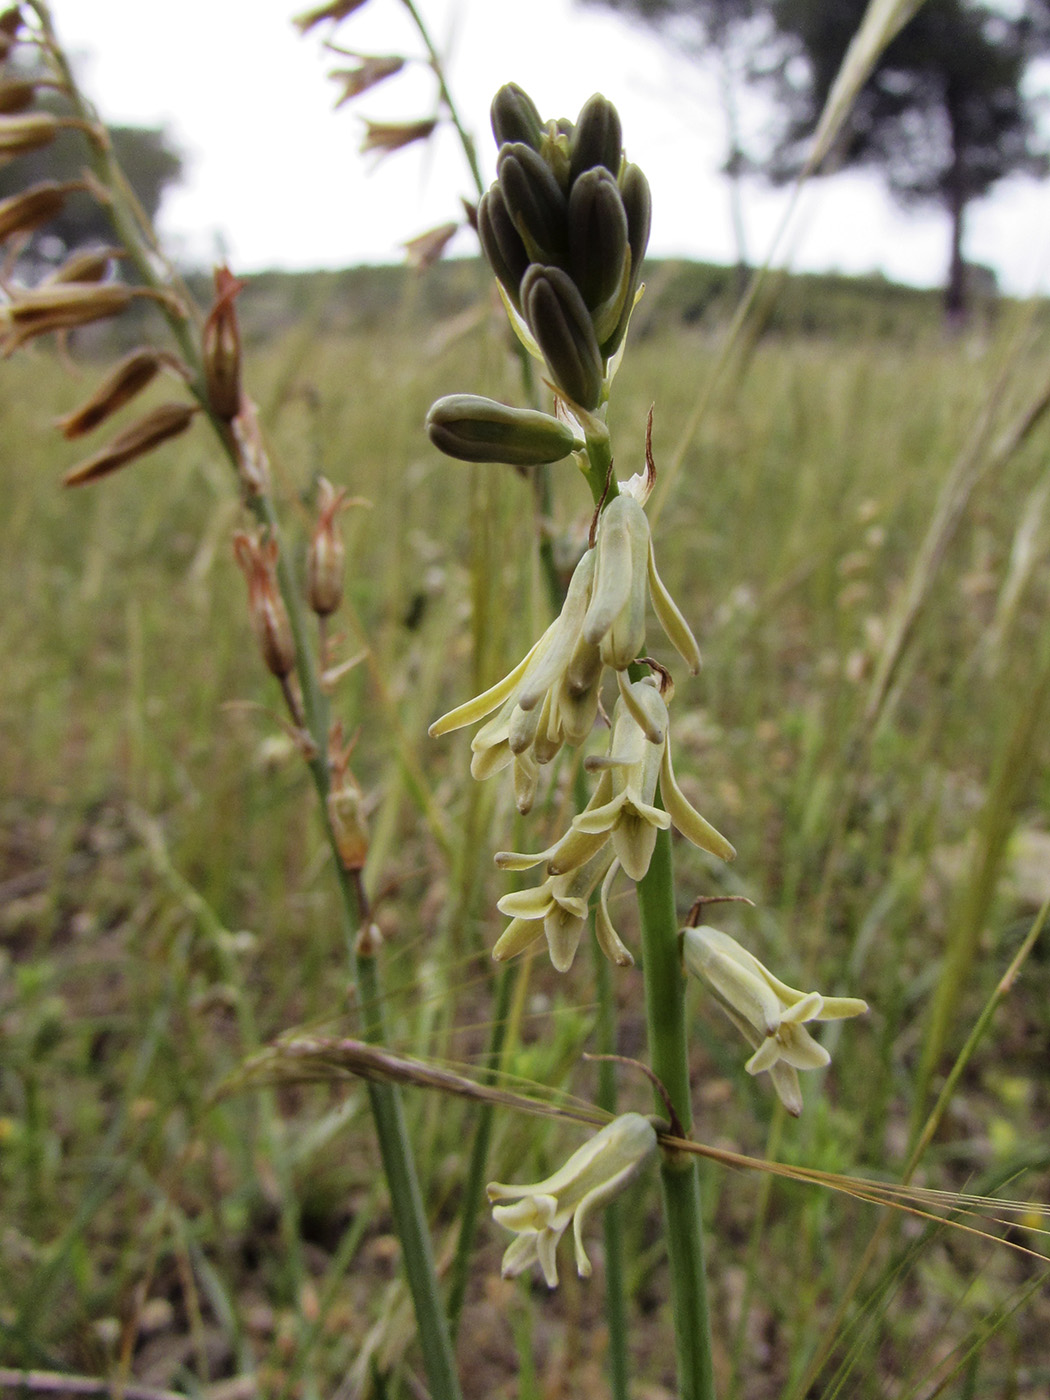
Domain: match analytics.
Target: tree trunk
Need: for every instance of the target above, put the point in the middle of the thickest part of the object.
(956, 305)
(955, 298)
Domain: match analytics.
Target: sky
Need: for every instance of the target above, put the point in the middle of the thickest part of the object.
(275, 178)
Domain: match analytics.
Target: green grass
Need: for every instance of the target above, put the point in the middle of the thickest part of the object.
(166, 909)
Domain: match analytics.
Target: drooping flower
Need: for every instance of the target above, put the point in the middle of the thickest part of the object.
(615, 618)
(556, 910)
(769, 1014)
(590, 1178)
(623, 808)
(550, 698)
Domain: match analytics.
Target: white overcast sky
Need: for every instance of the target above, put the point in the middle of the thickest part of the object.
(274, 177)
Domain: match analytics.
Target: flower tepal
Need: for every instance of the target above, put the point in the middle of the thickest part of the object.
(769, 1014)
(590, 1178)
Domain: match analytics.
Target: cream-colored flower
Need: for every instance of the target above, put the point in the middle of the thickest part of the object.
(590, 1178)
(622, 808)
(615, 618)
(623, 803)
(557, 910)
(549, 699)
(769, 1014)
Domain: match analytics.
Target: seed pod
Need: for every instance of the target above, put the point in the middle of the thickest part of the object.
(10, 21)
(425, 249)
(373, 69)
(475, 429)
(16, 96)
(257, 558)
(638, 204)
(28, 131)
(166, 421)
(88, 265)
(501, 243)
(597, 236)
(386, 137)
(598, 138)
(120, 386)
(515, 118)
(22, 213)
(325, 558)
(558, 318)
(346, 816)
(221, 348)
(335, 10)
(535, 202)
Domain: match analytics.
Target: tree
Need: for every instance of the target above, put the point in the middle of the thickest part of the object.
(945, 114)
(733, 31)
(148, 159)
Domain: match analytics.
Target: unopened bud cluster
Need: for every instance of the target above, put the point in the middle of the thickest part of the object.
(564, 228)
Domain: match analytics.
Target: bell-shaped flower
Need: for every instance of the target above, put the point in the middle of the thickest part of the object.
(561, 902)
(556, 910)
(615, 617)
(549, 699)
(590, 1178)
(769, 1014)
(623, 808)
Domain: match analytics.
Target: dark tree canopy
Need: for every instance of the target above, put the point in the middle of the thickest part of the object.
(944, 116)
(147, 158)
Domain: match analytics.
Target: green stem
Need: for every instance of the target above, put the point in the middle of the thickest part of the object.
(479, 1154)
(612, 1220)
(398, 1163)
(437, 64)
(679, 1176)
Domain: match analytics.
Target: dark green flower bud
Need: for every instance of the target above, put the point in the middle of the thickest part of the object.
(597, 236)
(638, 204)
(535, 202)
(515, 118)
(501, 243)
(558, 318)
(474, 429)
(597, 139)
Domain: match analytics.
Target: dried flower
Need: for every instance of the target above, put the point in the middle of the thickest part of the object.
(425, 249)
(24, 212)
(335, 10)
(85, 265)
(221, 348)
(167, 420)
(592, 1176)
(325, 559)
(269, 617)
(121, 385)
(373, 69)
(61, 306)
(769, 1014)
(386, 137)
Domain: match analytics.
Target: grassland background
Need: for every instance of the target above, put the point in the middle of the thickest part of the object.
(164, 907)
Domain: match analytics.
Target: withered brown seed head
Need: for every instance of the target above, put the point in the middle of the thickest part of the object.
(165, 421)
(222, 348)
